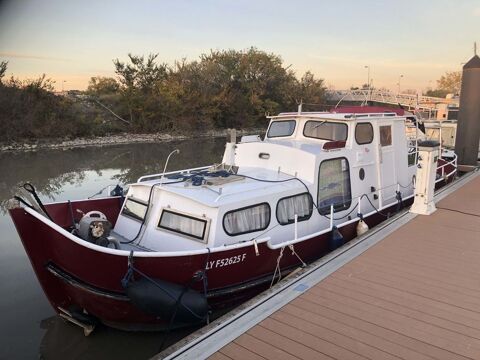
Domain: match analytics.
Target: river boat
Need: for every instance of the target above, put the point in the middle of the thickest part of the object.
(180, 244)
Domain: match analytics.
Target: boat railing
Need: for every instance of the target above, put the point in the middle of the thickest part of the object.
(155, 176)
(453, 163)
(297, 239)
(442, 167)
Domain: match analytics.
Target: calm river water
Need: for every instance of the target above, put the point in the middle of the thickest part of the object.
(29, 328)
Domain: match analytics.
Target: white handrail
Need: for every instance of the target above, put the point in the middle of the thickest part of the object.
(186, 171)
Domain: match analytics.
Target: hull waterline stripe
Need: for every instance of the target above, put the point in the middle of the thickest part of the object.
(69, 279)
(79, 284)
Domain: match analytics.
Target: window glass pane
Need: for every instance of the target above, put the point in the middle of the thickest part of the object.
(301, 205)
(281, 128)
(135, 209)
(247, 220)
(325, 130)
(364, 133)
(334, 186)
(183, 224)
(385, 135)
(412, 156)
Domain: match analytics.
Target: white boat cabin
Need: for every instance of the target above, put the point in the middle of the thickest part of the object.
(284, 187)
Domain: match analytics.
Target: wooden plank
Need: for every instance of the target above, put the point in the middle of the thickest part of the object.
(418, 314)
(422, 331)
(330, 331)
(263, 349)
(441, 333)
(415, 272)
(330, 348)
(364, 324)
(431, 272)
(235, 351)
(372, 346)
(296, 349)
(219, 356)
(436, 308)
(430, 291)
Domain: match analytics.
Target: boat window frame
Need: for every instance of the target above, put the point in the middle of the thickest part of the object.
(205, 220)
(131, 215)
(344, 208)
(326, 121)
(248, 207)
(299, 219)
(278, 121)
(372, 137)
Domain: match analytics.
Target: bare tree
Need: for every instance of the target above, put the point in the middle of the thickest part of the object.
(3, 69)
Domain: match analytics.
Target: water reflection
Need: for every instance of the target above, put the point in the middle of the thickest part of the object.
(74, 174)
(51, 170)
(66, 341)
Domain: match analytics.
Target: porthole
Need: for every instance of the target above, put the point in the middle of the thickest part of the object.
(361, 174)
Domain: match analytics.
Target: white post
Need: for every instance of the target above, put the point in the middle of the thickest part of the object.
(229, 154)
(296, 227)
(176, 151)
(331, 217)
(426, 172)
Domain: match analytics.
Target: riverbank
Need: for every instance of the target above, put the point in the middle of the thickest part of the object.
(123, 138)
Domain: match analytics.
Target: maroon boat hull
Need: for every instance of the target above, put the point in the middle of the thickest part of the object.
(75, 275)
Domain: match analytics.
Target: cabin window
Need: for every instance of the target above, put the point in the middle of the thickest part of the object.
(183, 224)
(363, 133)
(281, 128)
(412, 156)
(247, 219)
(334, 186)
(134, 208)
(325, 130)
(385, 135)
(300, 205)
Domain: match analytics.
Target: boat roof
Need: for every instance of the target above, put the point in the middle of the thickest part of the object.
(240, 190)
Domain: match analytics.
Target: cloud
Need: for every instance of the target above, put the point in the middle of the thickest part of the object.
(30, 56)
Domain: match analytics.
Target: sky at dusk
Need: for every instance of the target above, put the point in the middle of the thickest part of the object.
(72, 41)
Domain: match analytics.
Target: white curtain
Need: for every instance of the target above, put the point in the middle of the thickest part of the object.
(301, 205)
(247, 220)
(180, 223)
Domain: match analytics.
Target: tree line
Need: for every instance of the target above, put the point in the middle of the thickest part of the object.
(221, 89)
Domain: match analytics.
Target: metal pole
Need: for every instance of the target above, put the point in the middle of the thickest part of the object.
(368, 75)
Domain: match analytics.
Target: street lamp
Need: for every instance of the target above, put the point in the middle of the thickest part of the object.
(399, 78)
(368, 75)
(63, 82)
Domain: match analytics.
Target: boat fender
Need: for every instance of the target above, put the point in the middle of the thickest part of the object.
(362, 227)
(166, 300)
(336, 239)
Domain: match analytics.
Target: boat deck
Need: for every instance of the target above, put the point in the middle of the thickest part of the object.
(411, 294)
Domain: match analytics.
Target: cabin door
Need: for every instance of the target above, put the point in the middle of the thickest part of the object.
(387, 175)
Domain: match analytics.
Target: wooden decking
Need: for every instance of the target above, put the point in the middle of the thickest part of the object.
(414, 295)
